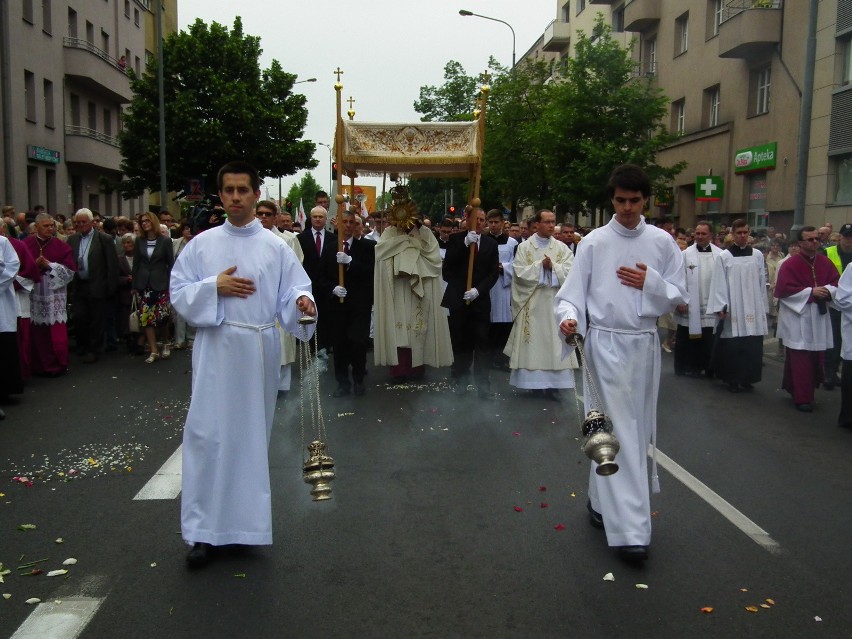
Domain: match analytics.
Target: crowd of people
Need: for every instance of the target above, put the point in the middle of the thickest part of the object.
(477, 294)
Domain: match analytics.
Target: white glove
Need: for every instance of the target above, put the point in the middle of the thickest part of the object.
(471, 238)
(339, 290)
(470, 295)
(343, 258)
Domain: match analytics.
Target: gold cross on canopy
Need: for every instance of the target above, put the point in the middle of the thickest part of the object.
(338, 73)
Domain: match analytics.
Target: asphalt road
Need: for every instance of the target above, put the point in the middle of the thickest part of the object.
(451, 517)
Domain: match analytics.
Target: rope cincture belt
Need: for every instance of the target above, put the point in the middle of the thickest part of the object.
(258, 329)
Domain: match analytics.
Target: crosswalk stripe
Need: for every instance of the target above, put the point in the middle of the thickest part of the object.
(165, 484)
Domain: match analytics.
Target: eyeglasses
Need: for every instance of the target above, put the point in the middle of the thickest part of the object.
(264, 214)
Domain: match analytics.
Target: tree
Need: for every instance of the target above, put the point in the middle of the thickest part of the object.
(305, 190)
(601, 114)
(219, 106)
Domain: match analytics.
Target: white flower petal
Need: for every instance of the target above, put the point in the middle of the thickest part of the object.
(609, 577)
(642, 586)
(57, 573)
(69, 562)
(33, 601)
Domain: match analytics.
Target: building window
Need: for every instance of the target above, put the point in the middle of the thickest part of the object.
(762, 82)
(72, 23)
(136, 17)
(90, 33)
(714, 17)
(566, 12)
(48, 104)
(126, 8)
(47, 16)
(844, 179)
(137, 65)
(149, 57)
(711, 104)
(651, 56)
(682, 34)
(847, 60)
(74, 103)
(581, 4)
(618, 19)
(107, 122)
(30, 95)
(104, 41)
(28, 11)
(93, 116)
(679, 117)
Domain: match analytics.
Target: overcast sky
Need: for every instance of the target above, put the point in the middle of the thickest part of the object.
(387, 49)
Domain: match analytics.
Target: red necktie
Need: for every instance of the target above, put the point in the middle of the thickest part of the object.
(319, 244)
(346, 247)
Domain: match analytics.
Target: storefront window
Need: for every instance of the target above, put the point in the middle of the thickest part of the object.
(757, 215)
(844, 179)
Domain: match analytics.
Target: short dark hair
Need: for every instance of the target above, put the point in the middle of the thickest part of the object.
(238, 166)
(537, 217)
(493, 214)
(629, 177)
(738, 224)
(320, 194)
(268, 204)
(704, 223)
(805, 229)
(447, 221)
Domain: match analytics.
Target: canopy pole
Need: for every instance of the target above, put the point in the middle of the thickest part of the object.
(338, 142)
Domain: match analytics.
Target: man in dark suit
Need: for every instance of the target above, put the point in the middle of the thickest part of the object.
(350, 306)
(470, 307)
(320, 248)
(94, 284)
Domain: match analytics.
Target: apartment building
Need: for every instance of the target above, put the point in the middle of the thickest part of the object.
(734, 71)
(64, 87)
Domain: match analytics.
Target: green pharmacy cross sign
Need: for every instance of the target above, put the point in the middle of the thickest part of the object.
(709, 188)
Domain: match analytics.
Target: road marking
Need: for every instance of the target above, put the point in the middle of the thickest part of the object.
(60, 619)
(165, 484)
(728, 511)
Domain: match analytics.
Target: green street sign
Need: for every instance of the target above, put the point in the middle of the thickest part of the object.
(709, 188)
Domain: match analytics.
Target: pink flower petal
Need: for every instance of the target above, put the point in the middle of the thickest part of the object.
(518, 509)
(559, 527)
(544, 504)
(542, 489)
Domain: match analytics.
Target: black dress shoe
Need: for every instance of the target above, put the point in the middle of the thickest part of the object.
(359, 389)
(633, 553)
(805, 408)
(595, 518)
(734, 388)
(199, 555)
(342, 391)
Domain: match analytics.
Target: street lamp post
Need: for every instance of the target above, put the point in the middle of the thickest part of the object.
(330, 166)
(308, 80)
(465, 13)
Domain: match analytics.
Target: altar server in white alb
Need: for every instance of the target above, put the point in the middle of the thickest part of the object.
(501, 292)
(535, 348)
(625, 275)
(232, 282)
(695, 324)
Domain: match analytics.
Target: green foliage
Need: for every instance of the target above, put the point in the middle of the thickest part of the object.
(306, 189)
(554, 132)
(219, 106)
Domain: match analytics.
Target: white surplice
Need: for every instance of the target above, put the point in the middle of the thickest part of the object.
(408, 311)
(698, 268)
(9, 265)
(535, 345)
(501, 292)
(623, 354)
(288, 342)
(739, 283)
(842, 301)
(235, 363)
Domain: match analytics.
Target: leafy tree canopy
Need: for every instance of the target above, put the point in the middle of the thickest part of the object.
(306, 190)
(219, 106)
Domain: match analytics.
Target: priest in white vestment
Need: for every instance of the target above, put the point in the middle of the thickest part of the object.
(625, 275)
(738, 297)
(695, 325)
(535, 347)
(232, 282)
(501, 292)
(410, 328)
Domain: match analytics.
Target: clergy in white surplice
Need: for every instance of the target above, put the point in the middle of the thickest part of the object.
(806, 284)
(534, 348)
(738, 297)
(501, 292)
(232, 283)
(625, 275)
(695, 325)
(10, 371)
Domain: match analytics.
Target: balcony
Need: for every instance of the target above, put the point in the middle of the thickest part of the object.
(750, 28)
(601, 1)
(93, 68)
(557, 36)
(90, 148)
(641, 15)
